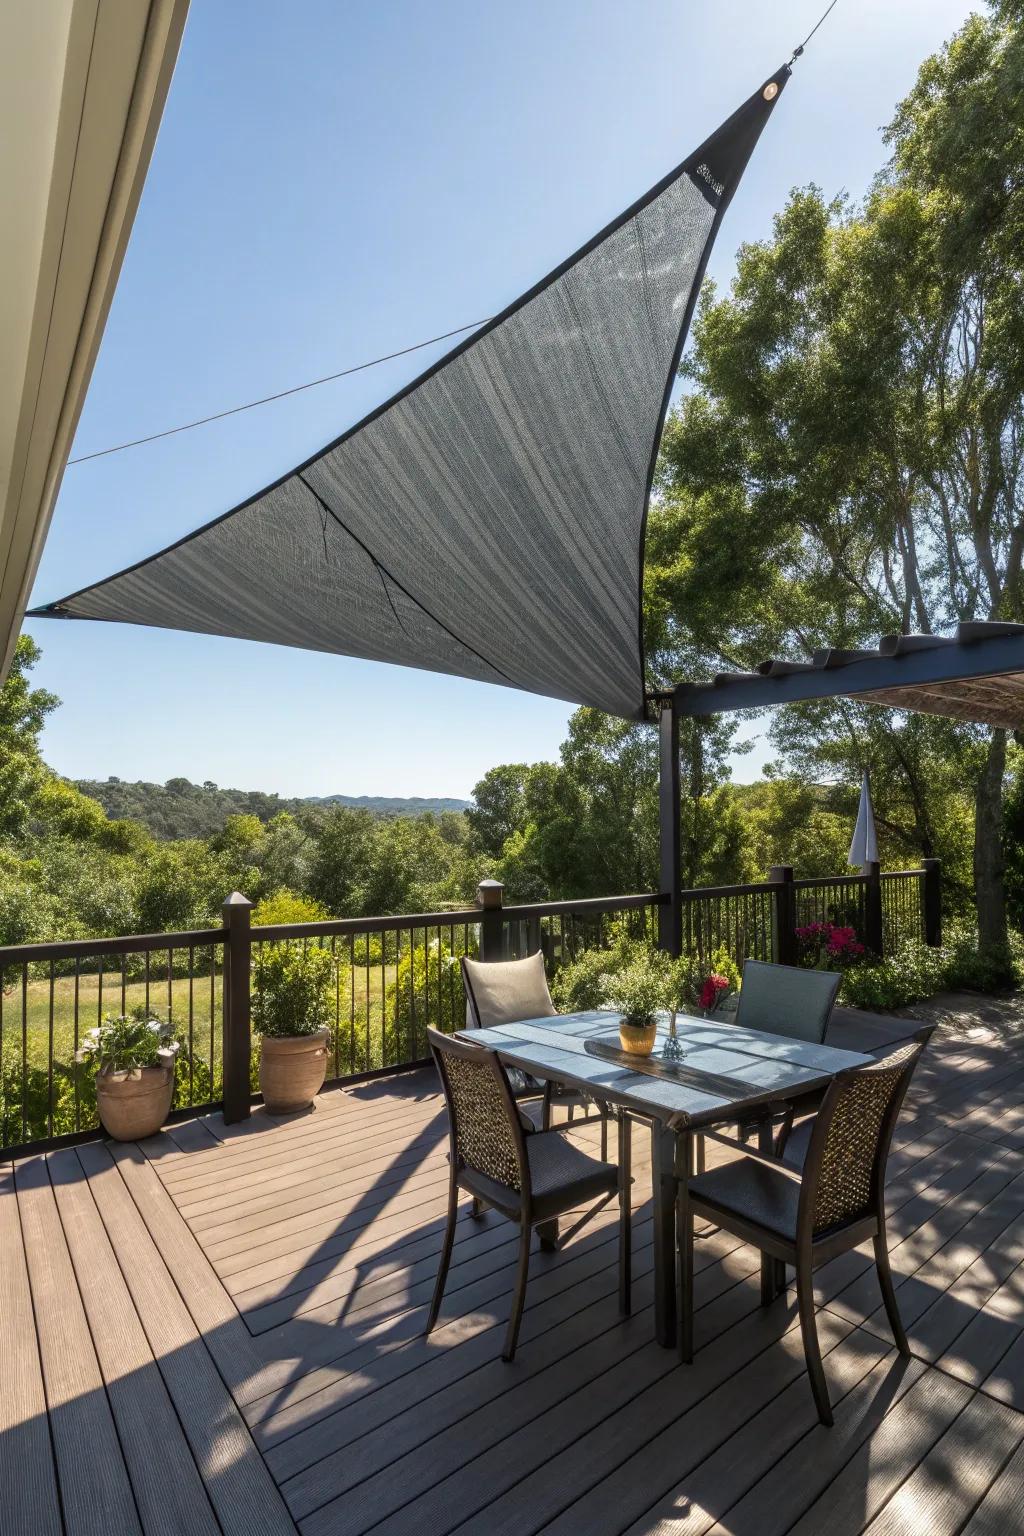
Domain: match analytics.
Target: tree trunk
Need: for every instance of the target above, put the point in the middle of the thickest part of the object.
(989, 891)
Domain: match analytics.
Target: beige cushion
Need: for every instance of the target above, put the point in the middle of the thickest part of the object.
(505, 991)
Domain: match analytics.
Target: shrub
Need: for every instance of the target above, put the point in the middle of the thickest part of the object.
(579, 986)
(639, 990)
(285, 906)
(427, 989)
(914, 972)
(293, 990)
(126, 1042)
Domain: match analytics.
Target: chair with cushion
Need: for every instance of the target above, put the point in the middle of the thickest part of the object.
(820, 1195)
(532, 1177)
(505, 992)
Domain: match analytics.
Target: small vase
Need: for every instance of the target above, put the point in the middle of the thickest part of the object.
(637, 1039)
(672, 1050)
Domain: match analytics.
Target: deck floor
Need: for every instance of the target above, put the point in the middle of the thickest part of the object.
(220, 1331)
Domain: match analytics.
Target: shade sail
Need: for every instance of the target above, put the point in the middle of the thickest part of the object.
(487, 521)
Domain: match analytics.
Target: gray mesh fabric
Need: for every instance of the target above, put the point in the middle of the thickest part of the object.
(785, 1000)
(489, 520)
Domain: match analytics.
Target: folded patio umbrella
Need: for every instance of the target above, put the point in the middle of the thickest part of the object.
(864, 847)
(488, 521)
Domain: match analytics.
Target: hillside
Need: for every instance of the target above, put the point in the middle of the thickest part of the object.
(180, 808)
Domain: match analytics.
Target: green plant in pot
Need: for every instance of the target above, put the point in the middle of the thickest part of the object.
(637, 993)
(133, 1055)
(292, 1000)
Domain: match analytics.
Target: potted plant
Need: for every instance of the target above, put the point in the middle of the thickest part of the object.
(637, 993)
(133, 1054)
(292, 999)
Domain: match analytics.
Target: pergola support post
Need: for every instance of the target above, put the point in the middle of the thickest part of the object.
(670, 913)
(783, 914)
(236, 1008)
(931, 901)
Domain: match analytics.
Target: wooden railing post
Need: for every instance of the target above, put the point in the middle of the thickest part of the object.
(931, 901)
(489, 897)
(784, 950)
(874, 928)
(237, 1026)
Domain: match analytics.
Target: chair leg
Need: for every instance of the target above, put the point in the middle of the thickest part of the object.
(625, 1218)
(476, 1209)
(892, 1306)
(545, 1118)
(702, 1155)
(603, 1112)
(446, 1254)
(809, 1330)
(684, 1230)
(519, 1294)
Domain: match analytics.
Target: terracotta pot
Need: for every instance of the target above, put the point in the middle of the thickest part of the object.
(135, 1104)
(292, 1070)
(637, 1039)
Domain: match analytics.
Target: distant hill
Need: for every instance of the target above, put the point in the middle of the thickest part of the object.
(180, 808)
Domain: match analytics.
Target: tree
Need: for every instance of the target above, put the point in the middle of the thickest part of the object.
(23, 712)
(498, 810)
(849, 459)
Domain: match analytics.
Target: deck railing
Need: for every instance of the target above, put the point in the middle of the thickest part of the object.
(392, 977)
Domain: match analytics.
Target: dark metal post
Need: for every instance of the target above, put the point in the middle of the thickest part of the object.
(670, 913)
(489, 894)
(874, 936)
(783, 914)
(237, 1028)
(932, 901)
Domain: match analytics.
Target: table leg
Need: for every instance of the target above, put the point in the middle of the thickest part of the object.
(684, 1231)
(770, 1278)
(663, 1186)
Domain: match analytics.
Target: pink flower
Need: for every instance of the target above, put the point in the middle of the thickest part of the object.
(713, 987)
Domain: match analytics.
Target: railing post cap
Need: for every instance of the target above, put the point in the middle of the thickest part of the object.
(779, 872)
(489, 893)
(236, 900)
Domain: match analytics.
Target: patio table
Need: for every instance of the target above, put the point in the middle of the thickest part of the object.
(726, 1072)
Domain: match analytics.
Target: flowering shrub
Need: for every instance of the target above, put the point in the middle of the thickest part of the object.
(833, 945)
(127, 1042)
(713, 991)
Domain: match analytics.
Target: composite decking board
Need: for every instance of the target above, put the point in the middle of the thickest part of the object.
(978, 1352)
(936, 1332)
(997, 1228)
(1005, 1380)
(28, 1484)
(168, 1489)
(962, 1215)
(781, 1496)
(882, 1464)
(949, 1483)
(474, 1481)
(270, 1139)
(95, 1490)
(661, 1479)
(348, 1447)
(245, 1194)
(1002, 1508)
(240, 1488)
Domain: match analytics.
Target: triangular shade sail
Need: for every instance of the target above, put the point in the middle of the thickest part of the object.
(488, 521)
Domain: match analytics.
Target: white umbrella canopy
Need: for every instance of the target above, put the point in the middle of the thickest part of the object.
(864, 847)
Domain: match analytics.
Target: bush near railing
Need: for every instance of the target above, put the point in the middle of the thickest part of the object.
(393, 976)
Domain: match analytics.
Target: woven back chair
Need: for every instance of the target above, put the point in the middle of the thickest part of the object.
(531, 1177)
(506, 992)
(820, 1194)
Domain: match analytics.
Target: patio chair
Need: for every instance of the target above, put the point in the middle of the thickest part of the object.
(532, 1177)
(784, 1000)
(820, 1195)
(504, 992)
(787, 1000)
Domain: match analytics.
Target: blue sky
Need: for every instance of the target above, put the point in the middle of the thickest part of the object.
(332, 182)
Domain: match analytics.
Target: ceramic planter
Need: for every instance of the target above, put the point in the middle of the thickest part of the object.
(135, 1103)
(292, 1070)
(637, 1039)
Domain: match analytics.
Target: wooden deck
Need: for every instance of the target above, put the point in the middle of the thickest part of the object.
(220, 1331)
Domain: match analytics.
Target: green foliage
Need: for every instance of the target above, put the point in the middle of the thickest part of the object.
(287, 907)
(126, 1042)
(914, 972)
(427, 990)
(293, 990)
(23, 712)
(638, 991)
